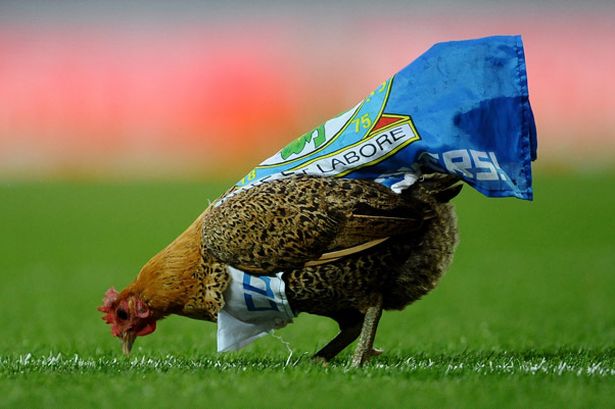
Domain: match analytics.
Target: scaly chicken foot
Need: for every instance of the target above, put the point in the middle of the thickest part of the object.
(350, 323)
(365, 347)
(337, 344)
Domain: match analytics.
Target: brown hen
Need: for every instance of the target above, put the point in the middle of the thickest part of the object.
(349, 249)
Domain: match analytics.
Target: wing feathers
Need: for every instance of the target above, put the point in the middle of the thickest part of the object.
(284, 224)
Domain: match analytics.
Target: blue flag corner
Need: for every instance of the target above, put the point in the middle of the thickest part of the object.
(460, 108)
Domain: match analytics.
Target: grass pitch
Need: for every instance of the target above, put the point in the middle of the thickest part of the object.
(524, 318)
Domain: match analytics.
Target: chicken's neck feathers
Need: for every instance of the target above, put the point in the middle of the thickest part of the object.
(183, 279)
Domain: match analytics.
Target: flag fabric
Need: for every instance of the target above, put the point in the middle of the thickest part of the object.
(460, 108)
(254, 306)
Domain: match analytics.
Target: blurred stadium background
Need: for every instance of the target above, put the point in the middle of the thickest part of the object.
(172, 89)
(120, 119)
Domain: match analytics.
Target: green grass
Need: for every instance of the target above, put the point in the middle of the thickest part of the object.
(524, 318)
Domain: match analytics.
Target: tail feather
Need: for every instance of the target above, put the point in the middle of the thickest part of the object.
(446, 195)
(442, 188)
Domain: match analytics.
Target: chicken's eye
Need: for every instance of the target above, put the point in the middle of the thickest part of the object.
(122, 314)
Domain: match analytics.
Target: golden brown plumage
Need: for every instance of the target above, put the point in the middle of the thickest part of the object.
(285, 224)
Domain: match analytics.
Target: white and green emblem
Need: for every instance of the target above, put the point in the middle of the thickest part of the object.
(361, 137)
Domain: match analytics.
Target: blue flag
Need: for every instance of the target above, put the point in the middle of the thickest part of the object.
(460, 108)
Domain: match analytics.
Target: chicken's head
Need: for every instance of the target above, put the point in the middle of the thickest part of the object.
(128, 315)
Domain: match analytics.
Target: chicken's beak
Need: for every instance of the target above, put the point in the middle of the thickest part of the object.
(128, 338)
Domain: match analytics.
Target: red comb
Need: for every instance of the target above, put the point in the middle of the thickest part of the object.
(110, 297)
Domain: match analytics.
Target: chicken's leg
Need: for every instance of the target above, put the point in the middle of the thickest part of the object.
(365, 346)
(350, 323)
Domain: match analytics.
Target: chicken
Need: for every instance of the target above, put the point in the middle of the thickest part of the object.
(348, 248)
